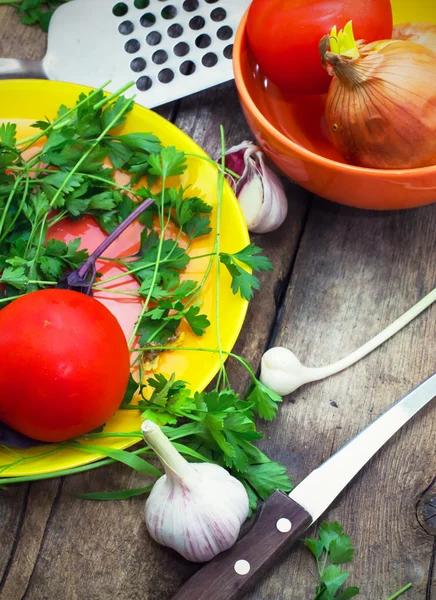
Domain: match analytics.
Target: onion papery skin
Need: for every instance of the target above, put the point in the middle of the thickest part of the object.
(381, 107)
(418, 33)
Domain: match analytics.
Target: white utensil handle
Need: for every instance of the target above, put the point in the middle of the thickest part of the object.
(13, 68)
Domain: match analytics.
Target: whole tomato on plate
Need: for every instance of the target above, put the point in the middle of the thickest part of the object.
(284, 36)
(64, 364)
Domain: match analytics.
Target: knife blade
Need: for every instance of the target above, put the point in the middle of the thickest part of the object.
(282, 519)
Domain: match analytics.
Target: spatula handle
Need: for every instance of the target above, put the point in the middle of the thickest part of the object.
(279, 524)
(14, 68)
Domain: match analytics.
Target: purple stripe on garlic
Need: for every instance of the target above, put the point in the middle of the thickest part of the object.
(195, 508)
(259, 190)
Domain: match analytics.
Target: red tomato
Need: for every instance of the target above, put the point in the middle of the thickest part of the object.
(284, 36)
(64, 364)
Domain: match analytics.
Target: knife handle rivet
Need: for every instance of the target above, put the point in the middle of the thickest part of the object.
(284, 525)
(242, 567)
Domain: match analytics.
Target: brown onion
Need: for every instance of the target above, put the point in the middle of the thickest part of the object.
(381, 106)
(419, 33)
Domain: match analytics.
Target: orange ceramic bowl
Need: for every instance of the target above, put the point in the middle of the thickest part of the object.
(292, 131)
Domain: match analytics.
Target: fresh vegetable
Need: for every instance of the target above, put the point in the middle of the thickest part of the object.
(284, 34)
(65, 364)
(282, 372)
(73, 175)
(35, 12)
(419, 33)
(259, 190)
(381, 106)
(331, 549)
(195, 508)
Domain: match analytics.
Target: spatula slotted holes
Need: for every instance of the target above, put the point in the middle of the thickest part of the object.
(159, 57)
(120, 9)
(132, 46)
(126, 27)
(197, 23)
(228, 51)
(188, 17)
(187, 67)
(144, 83)
(175, 30)
(224, 33)
(166, 76)
(218, 14)
(210, 59)
(138, 64)
(203, 41)
(169, 12)
(190, 5)
(147, 20)
(153, 38)
(181, 49)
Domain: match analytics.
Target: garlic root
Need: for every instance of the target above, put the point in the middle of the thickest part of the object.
(282, 372)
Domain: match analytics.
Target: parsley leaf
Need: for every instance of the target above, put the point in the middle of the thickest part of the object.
(8, 134)
(243, 281)
(15, 277)
(168, 162)
(265, 400)
(197, 322)
(266, 477)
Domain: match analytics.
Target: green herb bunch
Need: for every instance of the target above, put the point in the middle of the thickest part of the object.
(72, 174)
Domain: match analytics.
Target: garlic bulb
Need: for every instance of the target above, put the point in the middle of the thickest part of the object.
(282, 372)
(195, 508)
(259, 190)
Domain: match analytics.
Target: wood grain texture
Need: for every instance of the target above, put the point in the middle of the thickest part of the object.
(18, 40)
(340, 276)
(355, 272)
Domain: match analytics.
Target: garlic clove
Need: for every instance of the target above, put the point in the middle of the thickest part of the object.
(282, 372)
(259, 190)
(252, 201)
(195, 508)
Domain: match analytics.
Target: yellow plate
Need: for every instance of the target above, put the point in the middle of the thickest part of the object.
(25, 101)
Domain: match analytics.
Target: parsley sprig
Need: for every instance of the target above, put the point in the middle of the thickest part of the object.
(331, 549)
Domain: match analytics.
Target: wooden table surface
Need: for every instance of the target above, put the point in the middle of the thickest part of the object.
(340, 276)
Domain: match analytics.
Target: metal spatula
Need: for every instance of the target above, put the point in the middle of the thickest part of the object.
(171, 48)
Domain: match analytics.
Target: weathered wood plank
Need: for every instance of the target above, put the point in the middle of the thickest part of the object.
(356, 272)
(12, 511)
(38, 507)
(18, 40)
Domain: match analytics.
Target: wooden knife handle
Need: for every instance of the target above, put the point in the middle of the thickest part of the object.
(279, 523)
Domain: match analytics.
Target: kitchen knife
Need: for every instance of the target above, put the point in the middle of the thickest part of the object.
(282, 519)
